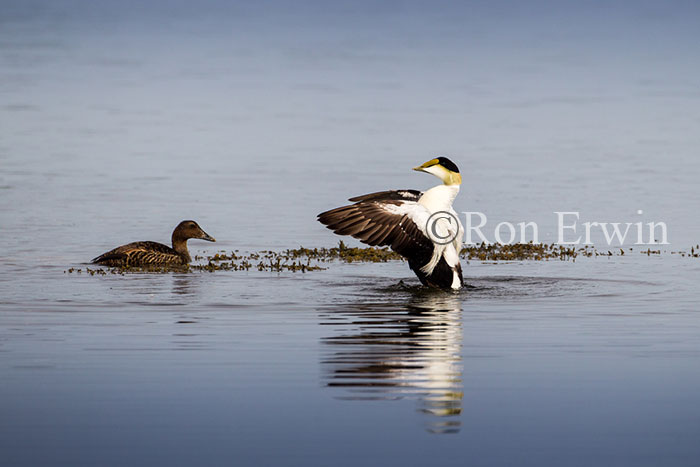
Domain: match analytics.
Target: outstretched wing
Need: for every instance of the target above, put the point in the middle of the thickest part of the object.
(386, 219)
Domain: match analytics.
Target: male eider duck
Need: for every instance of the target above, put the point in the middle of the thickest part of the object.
(414, 224)
(154, 253)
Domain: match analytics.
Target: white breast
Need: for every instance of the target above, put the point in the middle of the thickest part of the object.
(437, 199)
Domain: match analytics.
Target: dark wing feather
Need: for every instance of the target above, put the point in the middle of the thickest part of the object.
(372, 223)
(139, 253)
(391, 195)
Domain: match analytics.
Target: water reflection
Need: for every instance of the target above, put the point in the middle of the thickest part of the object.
(184, 284)
(386, 351)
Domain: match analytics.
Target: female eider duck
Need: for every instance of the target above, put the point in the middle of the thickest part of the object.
(422, 227)
(154, 253)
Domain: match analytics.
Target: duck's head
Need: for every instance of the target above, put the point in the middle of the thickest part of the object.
(442, 168)
(190, 229)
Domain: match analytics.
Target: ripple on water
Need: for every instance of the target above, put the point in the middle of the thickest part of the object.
(391, 340)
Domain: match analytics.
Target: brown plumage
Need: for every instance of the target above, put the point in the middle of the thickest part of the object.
(154, 253)
(370, 222)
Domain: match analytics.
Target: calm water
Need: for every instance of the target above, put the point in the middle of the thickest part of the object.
(115, 124)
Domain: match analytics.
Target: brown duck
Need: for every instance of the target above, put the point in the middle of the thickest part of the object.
(154, 253)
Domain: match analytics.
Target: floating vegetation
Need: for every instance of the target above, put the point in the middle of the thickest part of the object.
(312, 259)
(523, 251)
(552, 251)
(262, 261)
(347, 254)
(124, 269)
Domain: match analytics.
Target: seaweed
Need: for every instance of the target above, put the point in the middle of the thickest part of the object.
(314, 259)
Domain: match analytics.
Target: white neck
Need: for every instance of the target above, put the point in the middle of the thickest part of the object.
(439, 198)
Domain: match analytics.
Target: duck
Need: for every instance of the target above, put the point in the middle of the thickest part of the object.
(154, 253)
(420, 226)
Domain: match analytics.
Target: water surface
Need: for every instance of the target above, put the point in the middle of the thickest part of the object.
(117, 123)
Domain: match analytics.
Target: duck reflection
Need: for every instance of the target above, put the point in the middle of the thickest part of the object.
(184, 284)
(384, 351)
